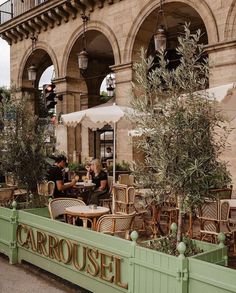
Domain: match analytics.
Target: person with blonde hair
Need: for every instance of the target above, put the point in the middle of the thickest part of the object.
(99, 177)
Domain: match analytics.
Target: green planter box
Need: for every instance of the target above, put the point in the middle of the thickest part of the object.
(103, 263)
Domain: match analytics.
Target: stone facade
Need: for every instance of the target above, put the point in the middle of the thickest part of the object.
(115, 32)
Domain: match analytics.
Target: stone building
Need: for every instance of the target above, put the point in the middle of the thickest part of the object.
(44, 33)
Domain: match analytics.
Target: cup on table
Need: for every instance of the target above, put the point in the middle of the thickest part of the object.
(90, 181)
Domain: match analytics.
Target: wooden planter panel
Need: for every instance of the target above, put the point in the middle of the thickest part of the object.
(210, 278)
(111, 264)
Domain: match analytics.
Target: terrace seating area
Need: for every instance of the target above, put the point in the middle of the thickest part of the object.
(129, 208)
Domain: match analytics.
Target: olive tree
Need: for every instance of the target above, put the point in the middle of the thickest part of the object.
(22, 141)
(183, 132)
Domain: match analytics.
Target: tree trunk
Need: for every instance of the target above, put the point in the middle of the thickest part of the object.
(180, 219)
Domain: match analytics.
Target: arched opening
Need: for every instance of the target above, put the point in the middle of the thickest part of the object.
(176, 15)
(44, 68)
(84, 89)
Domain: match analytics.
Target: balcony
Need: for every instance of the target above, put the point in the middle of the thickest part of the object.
(20, 19)
(13, 8)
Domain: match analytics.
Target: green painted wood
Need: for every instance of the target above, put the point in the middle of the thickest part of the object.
(144, 270)
(8, 247)
(210, 277)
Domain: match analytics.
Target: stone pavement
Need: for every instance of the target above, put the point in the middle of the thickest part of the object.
(25, 278)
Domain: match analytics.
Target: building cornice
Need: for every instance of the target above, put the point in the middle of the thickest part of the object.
(46, 16)
(225, 45)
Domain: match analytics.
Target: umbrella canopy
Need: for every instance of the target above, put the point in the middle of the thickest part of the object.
(96, 118)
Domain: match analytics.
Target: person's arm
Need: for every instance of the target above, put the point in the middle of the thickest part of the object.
(103, 185)
(61, 186)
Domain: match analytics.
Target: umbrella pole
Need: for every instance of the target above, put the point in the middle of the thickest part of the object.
(114, 164)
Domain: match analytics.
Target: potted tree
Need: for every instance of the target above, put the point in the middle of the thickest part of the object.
(22, 142)
(183, 130)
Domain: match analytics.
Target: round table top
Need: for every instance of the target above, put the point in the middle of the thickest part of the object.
(84, 185)
(87, 211)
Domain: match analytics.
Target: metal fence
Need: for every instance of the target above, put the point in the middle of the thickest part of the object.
(13, 8)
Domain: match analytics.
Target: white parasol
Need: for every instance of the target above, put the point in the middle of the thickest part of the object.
(96, 118)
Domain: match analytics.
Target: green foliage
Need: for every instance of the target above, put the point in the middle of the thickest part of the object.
(183, 131)
(122, 166)
(76, 167)
(22, 142)
(168, 245)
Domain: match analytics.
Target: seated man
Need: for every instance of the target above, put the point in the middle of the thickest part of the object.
(55, 174)
(108, 154)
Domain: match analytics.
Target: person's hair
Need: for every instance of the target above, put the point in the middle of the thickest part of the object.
(108, 148)
(97, 164)
(60, 158)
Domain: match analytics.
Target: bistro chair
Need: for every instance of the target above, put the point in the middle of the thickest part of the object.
(215, 219)
(10, 180)
(222, 193)
(126, 201)
(114, 224)
(123, 199)
(58, 206)
(126, 179)
(46, 189)
(6, 196)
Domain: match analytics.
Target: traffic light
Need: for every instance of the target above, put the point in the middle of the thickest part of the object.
(49, 95)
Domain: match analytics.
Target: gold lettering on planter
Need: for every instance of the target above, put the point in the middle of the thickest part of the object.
(68, 245)
(53, 251)
(92, 267)
(29, 241)
(41, 243)
(118, 274)
(75, 257)
(85, 259)
(19, 234)
(105, 266)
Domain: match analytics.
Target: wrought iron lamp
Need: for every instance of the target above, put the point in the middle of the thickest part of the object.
(83, 55)
(160, 36)
(110, 82)
(32, 70)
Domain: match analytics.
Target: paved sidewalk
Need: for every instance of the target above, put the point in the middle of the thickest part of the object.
(25, 278)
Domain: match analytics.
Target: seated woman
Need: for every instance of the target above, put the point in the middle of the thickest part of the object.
(99, 177)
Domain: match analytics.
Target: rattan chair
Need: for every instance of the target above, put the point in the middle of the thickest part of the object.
(126, 202)
(126, 179)
(6, 196)
(123, 199)
(115, 224)
(46, 189)
(58, 206)
(214, 219)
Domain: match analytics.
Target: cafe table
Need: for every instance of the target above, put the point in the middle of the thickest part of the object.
(86, 213)
(81, 188)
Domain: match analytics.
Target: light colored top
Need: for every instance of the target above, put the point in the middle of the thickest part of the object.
(232, 202)
(87, 211)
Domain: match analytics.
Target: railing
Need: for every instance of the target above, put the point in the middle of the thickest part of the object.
(13, 8)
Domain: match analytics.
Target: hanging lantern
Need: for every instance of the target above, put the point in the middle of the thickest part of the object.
(32, 72)
(110, 82)
(83, 55)
(83, 60)
(160, 36)
(160, 39)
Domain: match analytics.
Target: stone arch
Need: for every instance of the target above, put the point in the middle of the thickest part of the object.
(97, 26)
(230, 23)
(201, 7)
(28, 55)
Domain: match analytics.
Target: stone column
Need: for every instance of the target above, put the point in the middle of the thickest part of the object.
(222, 63)
(71, 90)
(123, 75)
